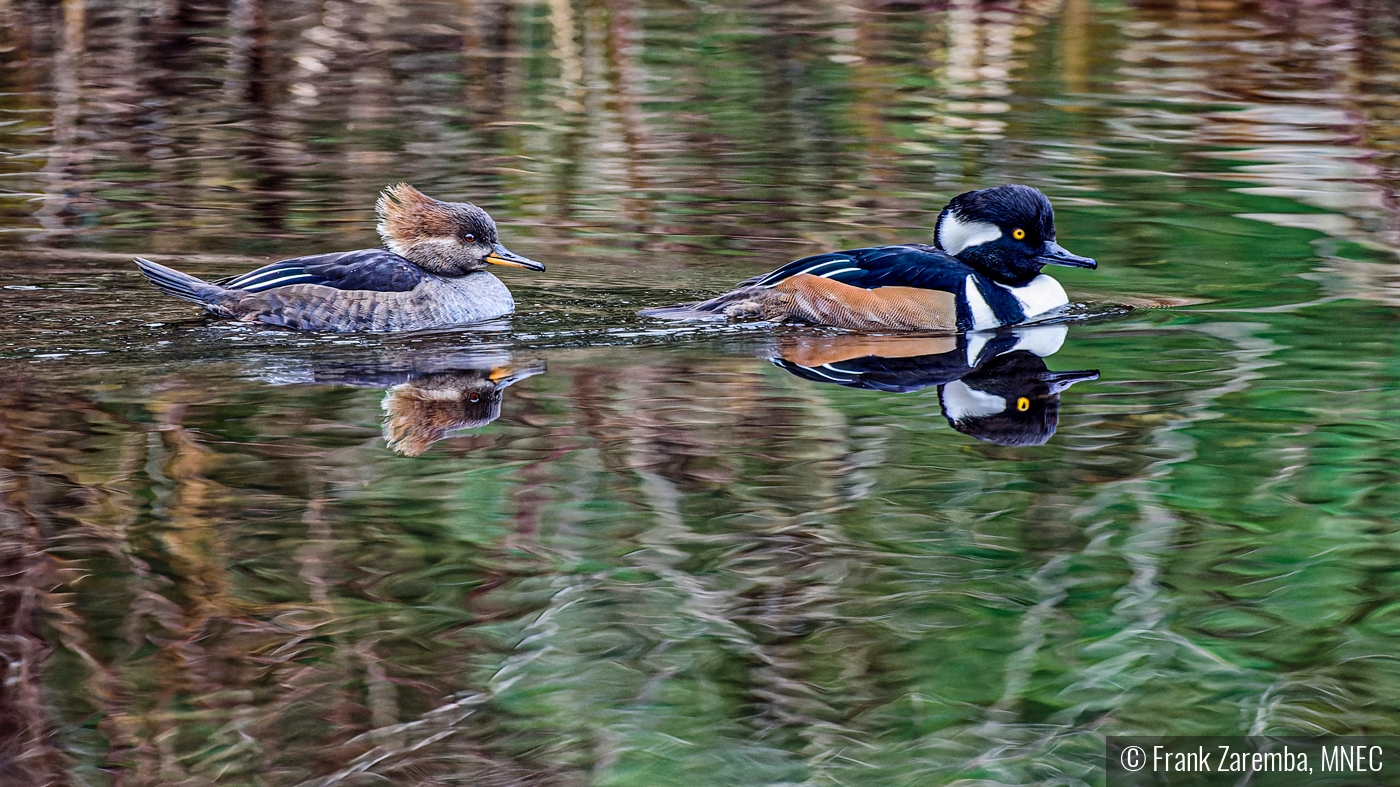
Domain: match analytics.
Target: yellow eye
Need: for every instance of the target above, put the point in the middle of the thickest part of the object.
(1023, 404)
(1018, 234)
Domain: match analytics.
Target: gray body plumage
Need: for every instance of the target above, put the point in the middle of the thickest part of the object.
(434, 302)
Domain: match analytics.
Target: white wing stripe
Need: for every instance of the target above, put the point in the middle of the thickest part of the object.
(259, 276)
(267, 285)
(815, 370)
(769, 280)
(255, 276)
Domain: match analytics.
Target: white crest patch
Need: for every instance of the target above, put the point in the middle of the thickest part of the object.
(956, 235)
(1040, 296)
(982, 314)
(960, 401)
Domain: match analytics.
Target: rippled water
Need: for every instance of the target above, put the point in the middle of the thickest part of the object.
(650, 554)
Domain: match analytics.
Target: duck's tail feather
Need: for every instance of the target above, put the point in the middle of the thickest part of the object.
(216, 299)
(745, 302)
(684, 311)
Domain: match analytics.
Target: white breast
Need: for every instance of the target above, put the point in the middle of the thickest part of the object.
(1043, 340)
(472, 298)
(1040, 296)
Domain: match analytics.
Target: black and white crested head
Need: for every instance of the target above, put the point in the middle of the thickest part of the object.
(1012, 400)
(446, 238)
(1007, 232)
(977, 217)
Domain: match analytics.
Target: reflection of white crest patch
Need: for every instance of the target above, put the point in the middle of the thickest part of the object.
(982, 314)
(1043, 340)
(960, 401)
(956, 235)
(1040, 296)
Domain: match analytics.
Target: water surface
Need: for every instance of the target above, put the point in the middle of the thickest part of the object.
(237, 556)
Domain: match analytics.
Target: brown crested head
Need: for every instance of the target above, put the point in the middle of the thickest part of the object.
(447, 238)
(422, 412)
(433, 406)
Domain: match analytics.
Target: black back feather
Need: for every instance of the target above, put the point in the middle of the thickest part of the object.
(911, 265)
(367, 269)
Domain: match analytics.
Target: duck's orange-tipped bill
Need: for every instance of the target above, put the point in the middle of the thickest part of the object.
(500, 255)
(511, 373)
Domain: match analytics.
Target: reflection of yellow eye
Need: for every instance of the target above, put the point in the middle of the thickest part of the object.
(1023, 404)
(1018, 234)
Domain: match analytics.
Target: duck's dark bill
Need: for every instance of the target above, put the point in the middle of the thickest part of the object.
(500, 255)
(1055, 254)
(1059, 381)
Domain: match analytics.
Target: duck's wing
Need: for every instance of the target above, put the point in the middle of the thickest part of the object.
(367, 269)
(939, 360)
(913, 265)
(892, 375)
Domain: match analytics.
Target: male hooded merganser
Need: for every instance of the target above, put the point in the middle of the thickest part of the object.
(983, 272)
(431, 276)
(994, 387)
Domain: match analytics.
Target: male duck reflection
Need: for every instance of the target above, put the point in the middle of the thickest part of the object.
(983, 272)
(994, 387)
(431, 276)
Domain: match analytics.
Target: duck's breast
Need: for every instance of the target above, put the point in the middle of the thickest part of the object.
(1040, 295)
(439, 302)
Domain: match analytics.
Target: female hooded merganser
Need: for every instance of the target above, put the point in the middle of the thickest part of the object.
(431, 276)
(983, 272)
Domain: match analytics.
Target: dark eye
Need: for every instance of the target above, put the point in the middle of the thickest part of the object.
(469, 238)
(473, 397)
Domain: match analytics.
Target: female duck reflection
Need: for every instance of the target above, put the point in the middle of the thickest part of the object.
(428, 400)
(994, 387)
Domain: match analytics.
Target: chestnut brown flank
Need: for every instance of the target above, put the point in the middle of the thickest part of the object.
(826, 302)
(818, 350)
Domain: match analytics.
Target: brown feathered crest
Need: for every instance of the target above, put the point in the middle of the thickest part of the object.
(420, 413)
(408, 216)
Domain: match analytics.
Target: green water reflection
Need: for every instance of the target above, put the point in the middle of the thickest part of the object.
(664, 559)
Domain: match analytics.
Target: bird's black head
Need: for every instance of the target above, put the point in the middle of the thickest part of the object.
(1011, 400)
(1006, 232)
